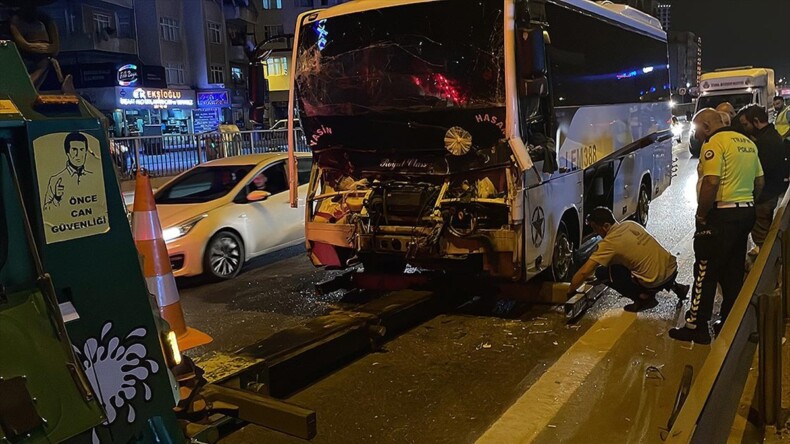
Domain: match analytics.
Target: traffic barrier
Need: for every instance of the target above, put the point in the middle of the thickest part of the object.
(171, 154)
(755, 324)
(156, 264)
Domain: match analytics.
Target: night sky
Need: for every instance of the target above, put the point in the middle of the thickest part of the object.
(738, 32)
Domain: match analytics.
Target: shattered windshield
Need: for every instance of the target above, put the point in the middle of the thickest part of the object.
(413, 58)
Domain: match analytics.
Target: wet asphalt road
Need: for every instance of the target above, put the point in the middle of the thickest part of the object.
(451, 378)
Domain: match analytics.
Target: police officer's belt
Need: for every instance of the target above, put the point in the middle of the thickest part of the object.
(734, 204)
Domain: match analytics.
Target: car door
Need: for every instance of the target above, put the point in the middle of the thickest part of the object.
(268, 221)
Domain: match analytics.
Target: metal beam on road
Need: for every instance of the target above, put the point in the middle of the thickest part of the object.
(265, 412)
(293, 358)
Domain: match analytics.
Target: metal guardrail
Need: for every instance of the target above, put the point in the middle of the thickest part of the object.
(168, 155)
(755, 324)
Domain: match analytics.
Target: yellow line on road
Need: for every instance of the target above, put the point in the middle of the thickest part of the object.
(534, 410)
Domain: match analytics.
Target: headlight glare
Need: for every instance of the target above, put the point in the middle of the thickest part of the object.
(182, 229)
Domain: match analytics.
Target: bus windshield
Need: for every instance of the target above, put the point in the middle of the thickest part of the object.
(738, 100)
(413, 58)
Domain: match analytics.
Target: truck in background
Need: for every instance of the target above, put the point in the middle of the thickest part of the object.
(741, 86)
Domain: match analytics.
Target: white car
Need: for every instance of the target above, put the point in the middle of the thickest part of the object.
(283, 125)
(218, 215)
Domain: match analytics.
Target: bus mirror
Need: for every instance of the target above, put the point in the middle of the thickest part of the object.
(536, 87)
(531, 52)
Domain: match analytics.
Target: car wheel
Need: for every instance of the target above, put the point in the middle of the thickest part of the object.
(562, 259)
(224, 256)
(642, 206)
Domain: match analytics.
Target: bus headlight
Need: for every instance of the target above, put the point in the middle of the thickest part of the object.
(457, 141)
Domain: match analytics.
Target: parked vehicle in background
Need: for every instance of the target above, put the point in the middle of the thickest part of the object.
(283, 124)
(741, 86)
(217, 215)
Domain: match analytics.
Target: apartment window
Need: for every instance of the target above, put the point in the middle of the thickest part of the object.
(270, 31)
(100, 22)
(277, 66)
(236, 74)
(303, 3)
(215, 33)
(70, 22)
(217, 74)
(125, 26)
(169, 29)
(174, 72)
(272, 4)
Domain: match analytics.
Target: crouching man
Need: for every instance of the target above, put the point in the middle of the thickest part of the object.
(630, 261)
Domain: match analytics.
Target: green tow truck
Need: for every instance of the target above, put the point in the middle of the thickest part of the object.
(84, 356)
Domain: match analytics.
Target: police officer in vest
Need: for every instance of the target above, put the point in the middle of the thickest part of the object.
(781, 117)
(732, 178)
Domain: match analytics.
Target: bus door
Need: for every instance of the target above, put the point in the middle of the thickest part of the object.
(626, 186)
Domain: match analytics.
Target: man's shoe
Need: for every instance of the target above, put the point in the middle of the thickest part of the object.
(641, 305)
(754, 252)
(681, 290)
(717, 327)
(699, 335)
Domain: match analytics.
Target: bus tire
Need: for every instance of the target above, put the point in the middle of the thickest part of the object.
(562, 263)
(642, 213)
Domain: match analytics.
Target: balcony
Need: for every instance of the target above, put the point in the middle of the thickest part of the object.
(122, 3)
(95, 42)
(237, 11)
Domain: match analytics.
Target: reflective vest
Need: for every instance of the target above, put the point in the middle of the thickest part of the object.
(781, 123)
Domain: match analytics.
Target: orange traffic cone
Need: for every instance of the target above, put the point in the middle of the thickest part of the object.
(156, 264)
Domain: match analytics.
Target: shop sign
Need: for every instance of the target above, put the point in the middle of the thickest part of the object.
(154, 76)
(128, 75)
(209, 99)
(154, 98)
(205, 120)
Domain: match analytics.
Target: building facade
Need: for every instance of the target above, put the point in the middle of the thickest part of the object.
(278, 18)
(157, 66)
(685, 60)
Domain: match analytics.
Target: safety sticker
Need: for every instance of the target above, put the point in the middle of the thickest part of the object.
(70, 180)
(8, 107)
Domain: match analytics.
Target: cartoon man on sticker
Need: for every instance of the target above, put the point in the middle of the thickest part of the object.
(67, 181)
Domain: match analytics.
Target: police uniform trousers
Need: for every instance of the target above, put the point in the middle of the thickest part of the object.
(720, 255)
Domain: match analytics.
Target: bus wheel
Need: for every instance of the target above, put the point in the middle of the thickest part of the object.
(642, 206)
(562, 261)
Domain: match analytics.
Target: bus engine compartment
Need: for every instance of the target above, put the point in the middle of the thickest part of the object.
(387, 220)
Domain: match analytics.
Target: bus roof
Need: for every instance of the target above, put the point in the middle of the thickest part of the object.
(606, 9)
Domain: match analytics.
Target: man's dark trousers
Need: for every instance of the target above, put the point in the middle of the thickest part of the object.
(619, 278)
(720, 254)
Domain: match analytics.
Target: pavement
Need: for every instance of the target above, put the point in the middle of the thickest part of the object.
(509, 372)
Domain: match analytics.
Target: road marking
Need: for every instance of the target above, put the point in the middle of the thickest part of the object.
(533, 411)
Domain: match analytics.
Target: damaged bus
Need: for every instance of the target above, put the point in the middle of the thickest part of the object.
(476, 135)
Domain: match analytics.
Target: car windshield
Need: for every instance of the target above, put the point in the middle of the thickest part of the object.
(202, 184)
(414, 58)
(738, 101)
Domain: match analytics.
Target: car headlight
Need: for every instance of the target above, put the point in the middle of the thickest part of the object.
(182, 229)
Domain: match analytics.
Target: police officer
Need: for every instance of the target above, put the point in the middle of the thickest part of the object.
(776, 165)
(732, 178)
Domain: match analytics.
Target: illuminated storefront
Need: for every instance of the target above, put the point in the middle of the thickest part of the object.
(154, 111)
